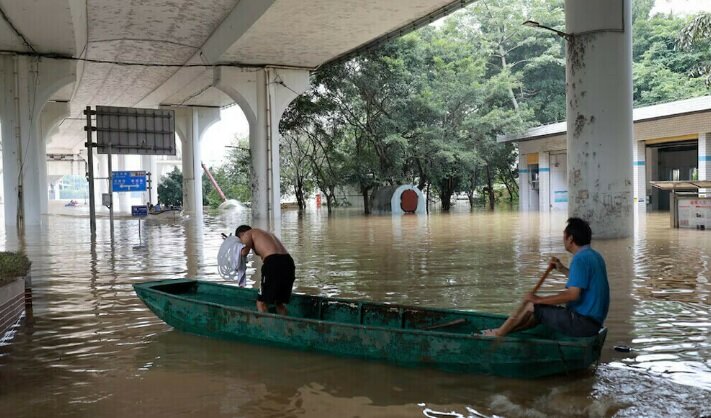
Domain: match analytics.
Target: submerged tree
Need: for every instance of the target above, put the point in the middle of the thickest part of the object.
(170, 189)
(232, 176)
(426, 108)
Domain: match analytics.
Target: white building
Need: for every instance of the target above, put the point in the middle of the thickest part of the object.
(672, 141)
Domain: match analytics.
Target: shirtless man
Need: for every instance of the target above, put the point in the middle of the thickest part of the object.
(278, 270)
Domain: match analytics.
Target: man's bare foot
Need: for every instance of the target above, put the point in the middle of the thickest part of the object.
(490, 332)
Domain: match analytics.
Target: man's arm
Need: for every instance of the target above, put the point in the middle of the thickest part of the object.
(558, 265)
(246, 239)
(568, 295)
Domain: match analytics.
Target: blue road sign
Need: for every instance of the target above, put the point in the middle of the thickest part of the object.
(128, 181)
(139, 210)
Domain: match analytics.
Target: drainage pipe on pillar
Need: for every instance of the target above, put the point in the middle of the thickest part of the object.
(270, 163)
(20, 216)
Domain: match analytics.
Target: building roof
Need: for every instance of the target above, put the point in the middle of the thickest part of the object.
(658, 111)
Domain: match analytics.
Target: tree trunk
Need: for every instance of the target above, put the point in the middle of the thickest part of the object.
(299, 192)
(427, 198)
(446, 201)
(514, 184)
(490, 186)
(366, 201)
(330, 199)
(508, 189)
(474, 179)
(445, 195)
(422, 180)
(505, 66)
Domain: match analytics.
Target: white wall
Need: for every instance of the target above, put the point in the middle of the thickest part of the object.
(559, 181)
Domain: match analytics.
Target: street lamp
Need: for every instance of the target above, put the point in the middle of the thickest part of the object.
(534, 24)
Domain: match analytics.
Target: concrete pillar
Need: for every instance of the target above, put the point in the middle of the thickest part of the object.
(52, 115)
(704, 152)
(524, 188)
(191, 124)
(263, 96)
(544, 183)
(599, 114)
(123, 200)
(640, 174)
(26, 84)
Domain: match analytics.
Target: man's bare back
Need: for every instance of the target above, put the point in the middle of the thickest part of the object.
(263, 243)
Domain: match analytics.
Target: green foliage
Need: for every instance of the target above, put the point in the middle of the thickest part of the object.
(662, 71)
(13, 264)
(233, 177)
(641, 9)
(170, 189)
(426, 108)
(696, 36)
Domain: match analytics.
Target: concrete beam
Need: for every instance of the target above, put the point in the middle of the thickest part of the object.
(236, 24)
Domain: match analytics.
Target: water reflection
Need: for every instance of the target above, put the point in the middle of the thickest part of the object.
(94, 350)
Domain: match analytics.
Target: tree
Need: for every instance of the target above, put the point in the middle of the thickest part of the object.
(233, 177)
(697, 35)
(662, 71)
(314, 119)
(295, 170)
(170, 189)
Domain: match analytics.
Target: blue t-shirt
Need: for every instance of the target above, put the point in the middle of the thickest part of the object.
(588, 273)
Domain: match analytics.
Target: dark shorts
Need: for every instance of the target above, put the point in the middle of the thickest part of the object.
(566, 321)
(278, 273)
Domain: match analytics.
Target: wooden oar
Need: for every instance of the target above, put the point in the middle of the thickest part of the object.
(513, 320)
(445, 324)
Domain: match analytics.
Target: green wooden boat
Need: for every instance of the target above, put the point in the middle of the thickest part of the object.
(406, 335)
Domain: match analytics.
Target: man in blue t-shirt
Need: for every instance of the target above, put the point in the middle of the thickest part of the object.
(587, 293)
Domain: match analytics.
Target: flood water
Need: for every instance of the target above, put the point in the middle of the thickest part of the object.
(92, 349)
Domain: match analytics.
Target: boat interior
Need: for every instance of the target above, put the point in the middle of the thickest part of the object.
(356, 312)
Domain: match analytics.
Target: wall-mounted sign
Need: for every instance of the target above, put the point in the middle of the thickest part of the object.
(694, 212)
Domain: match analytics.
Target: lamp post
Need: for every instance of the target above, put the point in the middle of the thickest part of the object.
(534, 24)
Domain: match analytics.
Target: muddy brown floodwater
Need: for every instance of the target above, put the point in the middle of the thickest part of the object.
(92, 349)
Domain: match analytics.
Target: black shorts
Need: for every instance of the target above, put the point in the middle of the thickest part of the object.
(278, 273)
(566, 321)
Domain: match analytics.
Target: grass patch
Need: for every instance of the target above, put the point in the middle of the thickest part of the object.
(13, 265)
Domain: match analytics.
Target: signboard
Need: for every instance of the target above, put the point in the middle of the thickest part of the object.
(694, 212)
(560, 196)
(139, 210)
(135, 131)
(106, 200)
(128, 181)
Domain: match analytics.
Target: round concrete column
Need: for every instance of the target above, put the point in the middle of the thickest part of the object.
(123, 198)
(599, 114)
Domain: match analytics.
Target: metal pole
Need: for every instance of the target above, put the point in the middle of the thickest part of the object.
(90, 169)
(150, 184)
(111, 194)
(20, 216)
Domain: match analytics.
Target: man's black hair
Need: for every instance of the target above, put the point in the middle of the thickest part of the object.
(579, 230)
(242, 228)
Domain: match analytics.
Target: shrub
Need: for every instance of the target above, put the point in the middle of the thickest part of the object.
(13, 265)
